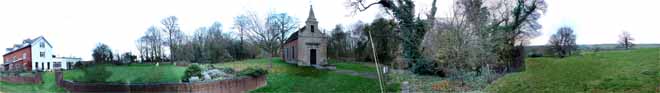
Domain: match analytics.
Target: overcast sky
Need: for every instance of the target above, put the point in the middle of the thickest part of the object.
(74, 27)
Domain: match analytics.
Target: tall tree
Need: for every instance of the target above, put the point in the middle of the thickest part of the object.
(384, 37)
(259, 33)
(128, 57)
(338, 43)
(412, 30)
(209, 44)
(283, 24)
(151, 45)
(514, 22)
(563, 42)
(102, 53)
(625, 40)
(171, 27)
(242, 24)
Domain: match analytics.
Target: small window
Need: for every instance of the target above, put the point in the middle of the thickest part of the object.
(24, 55)
(42, 54)
(42, 45)
(312, 28)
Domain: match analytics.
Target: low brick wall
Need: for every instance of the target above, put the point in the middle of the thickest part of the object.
(36, 79)
(221, 86)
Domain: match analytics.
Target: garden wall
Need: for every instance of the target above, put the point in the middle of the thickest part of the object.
(221, 86)
(33, 79)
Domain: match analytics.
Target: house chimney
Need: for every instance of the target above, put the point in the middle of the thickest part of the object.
(17, 46)
(27, 41)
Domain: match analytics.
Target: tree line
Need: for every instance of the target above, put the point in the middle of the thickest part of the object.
(208, 44)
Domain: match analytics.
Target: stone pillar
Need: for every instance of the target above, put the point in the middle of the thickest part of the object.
(59, 79)
(405, 87)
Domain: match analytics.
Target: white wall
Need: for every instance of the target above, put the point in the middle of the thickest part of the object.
(36, 49)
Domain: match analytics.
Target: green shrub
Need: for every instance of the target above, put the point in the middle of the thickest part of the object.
(95, 74)
(253, 72)
(227, 70)
(424, 68)
(192, 71)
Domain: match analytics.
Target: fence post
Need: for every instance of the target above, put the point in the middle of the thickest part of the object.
(59, 77)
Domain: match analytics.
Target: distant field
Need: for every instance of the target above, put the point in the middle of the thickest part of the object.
(610, 71)
(590, 47)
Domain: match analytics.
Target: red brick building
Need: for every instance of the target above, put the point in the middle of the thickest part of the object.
(19, 59)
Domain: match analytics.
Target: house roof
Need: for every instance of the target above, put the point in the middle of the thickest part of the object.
(294, 36)
(23, 45)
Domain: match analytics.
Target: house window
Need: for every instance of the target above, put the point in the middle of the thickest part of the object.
(42, 45)
(294, 52)
(36, 64)
(42, 54)
(24, 55)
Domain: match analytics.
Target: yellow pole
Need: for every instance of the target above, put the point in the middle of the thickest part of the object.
(373, 50)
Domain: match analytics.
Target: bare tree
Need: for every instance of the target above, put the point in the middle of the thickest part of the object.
(625, 40)
(563, 42)
(151, 45)
(171, 27)
(209, 44)
(260, 34)
(283, 24)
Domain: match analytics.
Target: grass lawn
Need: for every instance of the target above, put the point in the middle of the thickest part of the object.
(47, 87)
(355, 66)
(610, 71)
(136, 73)
(285, 77)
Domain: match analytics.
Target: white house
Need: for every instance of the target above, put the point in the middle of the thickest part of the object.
(35, 55)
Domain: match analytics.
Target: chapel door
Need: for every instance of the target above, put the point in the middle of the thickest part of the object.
(312, 56)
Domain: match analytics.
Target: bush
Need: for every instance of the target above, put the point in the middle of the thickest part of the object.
(95, 74)
(227, 70)
(78, 65)
(535, 54)
(253, 72)
(424, 68)
(192, 71)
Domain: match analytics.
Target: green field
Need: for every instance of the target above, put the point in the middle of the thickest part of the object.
(136, 73)
(610, 71)
(47, 87)
(285, 77)
(355, 66)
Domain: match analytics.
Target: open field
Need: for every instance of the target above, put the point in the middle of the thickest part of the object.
(610, 71)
